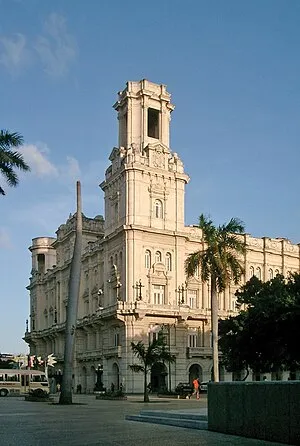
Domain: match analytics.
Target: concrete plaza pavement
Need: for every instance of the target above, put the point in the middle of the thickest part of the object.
(101, 422)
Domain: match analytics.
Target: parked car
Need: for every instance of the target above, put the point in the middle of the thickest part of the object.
(203, 387)
(184, 389)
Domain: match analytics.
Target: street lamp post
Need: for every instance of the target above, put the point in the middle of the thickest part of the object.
(138, 287)
(181, 290)
(99, 384)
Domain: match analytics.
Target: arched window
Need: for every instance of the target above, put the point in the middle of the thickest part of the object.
(258, 273)
(271, 274)
(147, 259)
(158, 209)
(157, 256)
(168, 261)
(251, 271)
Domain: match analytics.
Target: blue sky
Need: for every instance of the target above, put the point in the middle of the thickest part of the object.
(233, 70)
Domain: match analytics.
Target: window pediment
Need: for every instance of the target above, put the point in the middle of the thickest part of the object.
(193, 281)
(159, 266)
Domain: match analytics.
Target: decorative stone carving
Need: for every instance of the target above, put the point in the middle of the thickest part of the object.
(122, 152)
(256, 242)
(159, 159)
(175, 164)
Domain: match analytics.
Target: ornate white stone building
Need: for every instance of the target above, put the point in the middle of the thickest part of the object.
(133, 281)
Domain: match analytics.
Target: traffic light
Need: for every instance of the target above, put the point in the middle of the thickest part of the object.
(51, 360)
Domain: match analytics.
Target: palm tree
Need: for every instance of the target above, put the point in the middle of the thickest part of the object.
(10, 159)
(72, 307)
(155, 352)
(219, 263)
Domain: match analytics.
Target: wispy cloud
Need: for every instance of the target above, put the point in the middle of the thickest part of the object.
(5, 239)
(71, 169)
(38, 157)
(14, 52)
(38, 162)
(56, 48)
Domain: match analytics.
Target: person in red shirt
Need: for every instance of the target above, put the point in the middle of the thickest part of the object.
(196, 388)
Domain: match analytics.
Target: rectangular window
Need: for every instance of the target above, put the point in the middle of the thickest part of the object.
(153, 123)
(117, 339)
(192, 340)
(12, 377)
(41, 263)
(158, 294)
(192, 297)
(153, 332)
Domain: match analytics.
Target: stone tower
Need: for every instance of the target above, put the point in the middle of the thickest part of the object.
(144, 185)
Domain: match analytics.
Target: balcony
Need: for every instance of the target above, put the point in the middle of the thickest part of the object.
(194, 352)
(89, 355)
(113, 352)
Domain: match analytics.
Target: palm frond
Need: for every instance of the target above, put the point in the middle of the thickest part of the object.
(234, 226)
(9, 174)
(237, 270)
(13, 159)
(208, 229)
(192, 263)
(138, 349)
(137, 368)
(167, 356)
(8, 140)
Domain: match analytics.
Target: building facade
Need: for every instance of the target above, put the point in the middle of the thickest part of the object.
(133, 280)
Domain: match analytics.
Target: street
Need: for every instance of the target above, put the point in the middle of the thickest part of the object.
(100, 422)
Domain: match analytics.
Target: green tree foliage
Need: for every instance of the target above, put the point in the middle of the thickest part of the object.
(264, 335)
(219, 263)
(155, 352)
(5, 364)
(10, 158)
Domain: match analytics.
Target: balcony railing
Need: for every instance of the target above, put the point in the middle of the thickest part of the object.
(113, 352)
(192, 352)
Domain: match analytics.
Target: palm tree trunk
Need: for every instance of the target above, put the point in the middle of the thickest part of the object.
(214, 329)
(72, 307)
(146, 394)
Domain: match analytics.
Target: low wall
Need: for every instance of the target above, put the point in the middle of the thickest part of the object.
(266, 410)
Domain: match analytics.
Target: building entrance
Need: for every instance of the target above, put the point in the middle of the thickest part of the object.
(158, 377)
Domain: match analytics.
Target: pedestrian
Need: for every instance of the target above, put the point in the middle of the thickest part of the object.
(196, 388)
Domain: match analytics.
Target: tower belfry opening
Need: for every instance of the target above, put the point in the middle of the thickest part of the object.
(153, 123)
